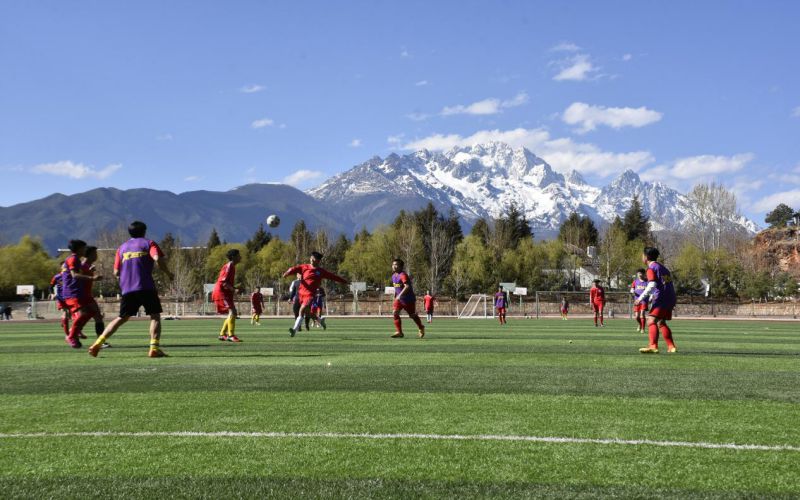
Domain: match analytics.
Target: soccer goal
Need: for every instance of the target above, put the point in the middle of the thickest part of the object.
(476, 307)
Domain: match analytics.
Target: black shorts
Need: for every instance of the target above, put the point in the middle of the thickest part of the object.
(131, 302)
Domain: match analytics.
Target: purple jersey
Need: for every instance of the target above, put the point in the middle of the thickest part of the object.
(399, 281)
(500, 299)
(664, 294)
(134, 262)
(71, 287)
(638, 287)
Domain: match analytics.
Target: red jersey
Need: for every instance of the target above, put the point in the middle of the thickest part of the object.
(311, 278)
(87, 285)
(256, 299)
(429, 302)
(224, 284)
(597, 295)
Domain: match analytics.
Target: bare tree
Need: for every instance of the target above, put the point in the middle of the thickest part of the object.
(714, 216)
(442, 251)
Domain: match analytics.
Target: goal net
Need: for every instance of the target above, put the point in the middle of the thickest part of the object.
(476, 307)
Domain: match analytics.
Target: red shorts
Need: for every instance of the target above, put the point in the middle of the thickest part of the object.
(500, 310)
(224, 302)
(597, 307)
(661, 313)
(641, 307)
(74, 304)
(61, 305)
(410, 307)
(315, 310)
(305, 299)
(257, 310)
(564, 310)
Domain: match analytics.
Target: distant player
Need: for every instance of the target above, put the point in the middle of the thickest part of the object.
(74, 280)
(223, 293)
(597, 299)
(501, 304)
(639, 307)
(311, 276)
(57, 282)
(294, 298)
(660, 292)
(257, 306)
(564, 307)
(316, 307)
(133, 265)
(430, 302)
(88, 268)
(404, 300)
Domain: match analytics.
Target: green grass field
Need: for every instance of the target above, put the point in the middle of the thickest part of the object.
(732, 382)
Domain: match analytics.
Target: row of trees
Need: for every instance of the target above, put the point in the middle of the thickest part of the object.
(711, 251)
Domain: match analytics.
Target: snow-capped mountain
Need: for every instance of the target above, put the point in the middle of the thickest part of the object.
(483, 180)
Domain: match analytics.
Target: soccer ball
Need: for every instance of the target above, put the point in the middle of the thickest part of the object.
(273, 221)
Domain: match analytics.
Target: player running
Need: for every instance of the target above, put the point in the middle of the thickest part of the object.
(294, 298)
(661, 293)
(133, 265)
(500, 304)
(57, 282)
(404, 300)
(430, 302)
(597, 299)
(257, 306)
(222, 296)
(639, 307)
(88, 268)
(74, 281)
(311, 276)
(564, 308)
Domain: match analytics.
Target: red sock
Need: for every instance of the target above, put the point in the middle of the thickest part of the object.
(653, 331)
(667, 334)
(398, 325)
(65, 325)
(417, 321)
(595, 319)
(77, 326)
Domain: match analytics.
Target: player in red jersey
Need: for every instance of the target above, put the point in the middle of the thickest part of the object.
(74, 281)
(404, 299)
(430, 302)
(257, 306)
(57, 282)
(597, 299)
(223, 293)
(564, 308)
(310, 280)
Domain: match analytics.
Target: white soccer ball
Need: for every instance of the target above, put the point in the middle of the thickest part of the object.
(273, 221)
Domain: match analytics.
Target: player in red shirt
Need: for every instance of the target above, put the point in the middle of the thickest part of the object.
(404, 299)
(74, 281)
(310, 280)
(430, 302)
(597, 299)
(257, 305)
(222, 296)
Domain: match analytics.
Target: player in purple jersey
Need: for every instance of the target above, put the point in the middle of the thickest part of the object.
(404, 299)
(661, 293)
(133, 266)
(500, 304)
(640, 308)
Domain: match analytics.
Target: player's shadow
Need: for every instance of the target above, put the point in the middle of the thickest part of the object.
(745, 353)
(258, 355)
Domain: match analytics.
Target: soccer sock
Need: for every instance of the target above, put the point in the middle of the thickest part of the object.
(100, 340)
(308, 322)
(643, 322)
(232, 325)
(79, 323)
(224, 330)
(595, 319)
(297, 321)
(99, 326)
(653, 331)
(154, 344)
(417, 321)
(65, 325)
(667, 334)
(398, 324)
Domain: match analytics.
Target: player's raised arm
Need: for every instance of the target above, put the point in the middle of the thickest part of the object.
(292, 270)
(330, 276)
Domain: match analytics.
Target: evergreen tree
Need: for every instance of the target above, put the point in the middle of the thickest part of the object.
(635, 223)
(780, 216)
(259, 239)
(213, 239)
(301, 239)
(578, 231)
(481, 230)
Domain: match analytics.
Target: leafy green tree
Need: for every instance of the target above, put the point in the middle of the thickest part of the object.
(475, 260)
(689, 270)
(26, 263)
(780, 216)
(578, 231)
(217, 257)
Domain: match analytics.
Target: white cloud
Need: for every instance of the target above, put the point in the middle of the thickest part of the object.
(796, 112)
(627, 57)
(355, 143)
(252, 89)
(421, 83)
(164, 137)
(704, 165)
(301, 177)
(562, 153)
(576, 68)
(489, 106)
(418, 117)
(769, 202)
(404, 53)
(263, 122)
(75, 170)
(192, 178)
(589, 117)
(565, 47)
(395, 141)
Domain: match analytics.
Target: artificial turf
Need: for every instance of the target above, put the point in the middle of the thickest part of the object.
(731, 382)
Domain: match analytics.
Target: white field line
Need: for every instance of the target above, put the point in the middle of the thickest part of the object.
(431, 437)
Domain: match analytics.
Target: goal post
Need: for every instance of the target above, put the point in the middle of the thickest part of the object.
(475, 307)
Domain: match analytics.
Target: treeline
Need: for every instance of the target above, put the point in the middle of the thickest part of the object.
(712, 253)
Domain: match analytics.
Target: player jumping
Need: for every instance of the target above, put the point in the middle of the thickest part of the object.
(639, 307)
(661, 293)
(404, 300)
(311, 276)
(597, 299)
(222, 296)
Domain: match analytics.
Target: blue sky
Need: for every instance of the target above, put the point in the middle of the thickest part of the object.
(186, 95)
